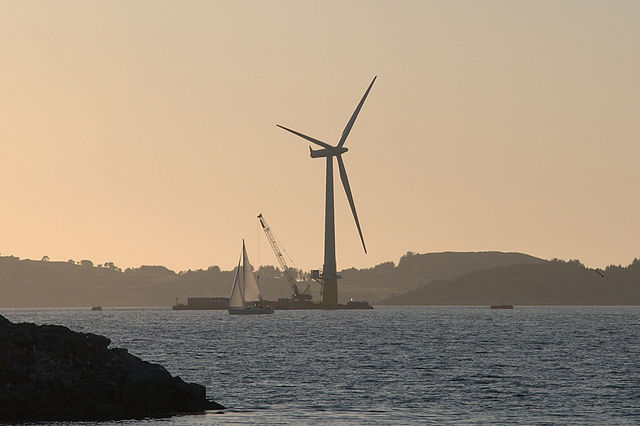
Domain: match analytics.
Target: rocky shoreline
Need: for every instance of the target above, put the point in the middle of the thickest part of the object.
(49, 372)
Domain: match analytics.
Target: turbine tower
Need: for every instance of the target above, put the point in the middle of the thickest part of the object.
(329, 275)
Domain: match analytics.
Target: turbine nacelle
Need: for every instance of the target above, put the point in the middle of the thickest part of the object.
(327, 152)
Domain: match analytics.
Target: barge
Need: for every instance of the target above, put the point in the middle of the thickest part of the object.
(283, 304)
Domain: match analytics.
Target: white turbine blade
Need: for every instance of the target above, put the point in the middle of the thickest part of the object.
(347, 190)
(347, 129)
(309, 138)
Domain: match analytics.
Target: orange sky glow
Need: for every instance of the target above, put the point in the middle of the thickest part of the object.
(144, 132)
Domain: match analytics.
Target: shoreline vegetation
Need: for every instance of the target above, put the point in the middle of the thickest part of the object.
(448, 278)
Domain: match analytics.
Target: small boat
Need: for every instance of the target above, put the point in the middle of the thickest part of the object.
(502, 306)
(96, 308)
(245, 295)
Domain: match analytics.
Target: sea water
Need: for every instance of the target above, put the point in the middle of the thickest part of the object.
(402, 365)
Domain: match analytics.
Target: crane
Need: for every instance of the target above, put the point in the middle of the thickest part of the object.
(297, 295)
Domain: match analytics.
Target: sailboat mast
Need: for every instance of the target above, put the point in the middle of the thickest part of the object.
(244, 262)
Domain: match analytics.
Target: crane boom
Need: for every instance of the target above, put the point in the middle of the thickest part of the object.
(280, 257)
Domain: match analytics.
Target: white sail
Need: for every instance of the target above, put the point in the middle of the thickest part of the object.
(251, 291)
(237, 300)
(245, 295)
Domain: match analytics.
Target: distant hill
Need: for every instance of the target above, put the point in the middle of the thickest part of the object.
(414, 270)
(432, 278)
(29, 283)
(548, 283)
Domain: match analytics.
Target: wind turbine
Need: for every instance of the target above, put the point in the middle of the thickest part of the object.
(329, 275)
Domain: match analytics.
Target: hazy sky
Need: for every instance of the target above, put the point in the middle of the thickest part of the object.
(143, 132)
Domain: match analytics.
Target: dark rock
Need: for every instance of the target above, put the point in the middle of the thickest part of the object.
(50, 373)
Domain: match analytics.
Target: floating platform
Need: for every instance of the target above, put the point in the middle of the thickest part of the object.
(289, 305)
(222, 303)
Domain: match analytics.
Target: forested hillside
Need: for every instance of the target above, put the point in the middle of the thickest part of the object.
(44, 283)
(549, 283)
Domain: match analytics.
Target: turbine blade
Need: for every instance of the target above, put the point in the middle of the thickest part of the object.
(347, 190)
(347, 129)
(309, 138)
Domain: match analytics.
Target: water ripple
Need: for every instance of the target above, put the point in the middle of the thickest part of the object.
(428, 365)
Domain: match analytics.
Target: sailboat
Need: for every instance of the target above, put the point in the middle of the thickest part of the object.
(245, 294)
